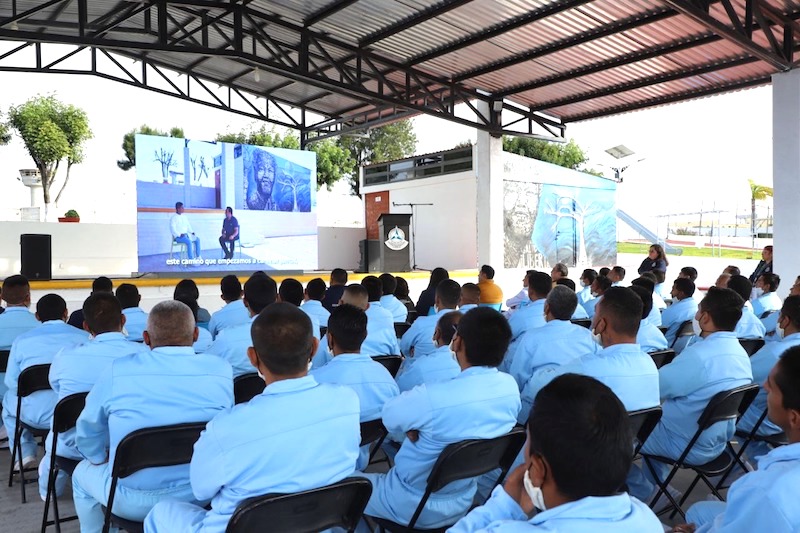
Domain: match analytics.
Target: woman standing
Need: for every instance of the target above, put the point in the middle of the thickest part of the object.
(656, 260)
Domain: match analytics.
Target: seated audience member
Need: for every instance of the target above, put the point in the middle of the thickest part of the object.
(376, 313)
(389, 301)
(532, 315)
(491, 293)
(480, 403)
(653, 318)
(580, 312)
(313, 295)
(649, 338)
(771, 322)
(557, 342)
(291, 291)
(135, 317)
(722, 281)
(587, 279)
(77, 369)
(576, 457)
(600, 285)
(439, 365)
(762, 362)
(603, 271)
(37, 347)
(621, 364)
(248, 451)
(646, 280)
(204, 340)
(749, 326)
(683, 308)
(425, 303)
(559, 271)
(186, 289)
(338, 281)
(765, 299)
(521, 298)
(401, 292)
(732, 270)
(234, 312)
(686, 385)
(374, 385)
(661, 288)
(616, 275)
(101, 284)
(418, 340)
(147, 389)
(470, 297)
(765, 500)
(231, 344)
(689, 273)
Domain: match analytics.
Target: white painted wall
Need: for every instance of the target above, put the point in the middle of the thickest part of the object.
(338, 247)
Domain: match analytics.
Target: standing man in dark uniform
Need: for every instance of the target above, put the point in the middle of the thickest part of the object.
(764, 266)
(230, 233)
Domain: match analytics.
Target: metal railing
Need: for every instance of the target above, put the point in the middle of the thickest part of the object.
(426, 166)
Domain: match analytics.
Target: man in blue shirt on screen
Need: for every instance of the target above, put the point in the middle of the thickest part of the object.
(230, 233)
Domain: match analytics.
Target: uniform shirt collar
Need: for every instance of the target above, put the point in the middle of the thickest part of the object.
(110, 336)
(17, 309)
(174, 350)
(612, 508)
(477, 371)
(790, 452)
(620, 348)
(344, 357)
(291, 385)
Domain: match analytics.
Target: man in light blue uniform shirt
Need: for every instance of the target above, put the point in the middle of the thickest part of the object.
(649, 338)
(771, 322)
(620, 365)
(418, 340)
(313, 295)
(291, 291)
(556, 343)
(135, 317)
(765, 500)
(683, 308)
(234, 313)
(374, 385)
(600, 285)
(587, 279)
(749, 326)
(248, 451)
(389, 301)
(532, 315)
(37, 347)
(168, 385)
(576, 458)
(375, 311)
(231, 344)
(687, 384)
(77, 369)
(579, 313)
(439, 365)
(480, 403)
(766, 300)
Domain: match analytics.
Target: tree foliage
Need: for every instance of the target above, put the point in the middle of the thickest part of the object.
(568, 155)
(129, 142)
(757, 192)
(5, 133)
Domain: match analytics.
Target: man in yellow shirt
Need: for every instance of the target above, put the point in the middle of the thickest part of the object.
(490, 293)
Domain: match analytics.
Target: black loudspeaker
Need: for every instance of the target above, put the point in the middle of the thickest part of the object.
(36, 256)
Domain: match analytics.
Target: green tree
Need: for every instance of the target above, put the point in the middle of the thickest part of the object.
(263, 137)
(129, 143)
(51, 131)
(757, 192)
(5, 134)
(568, 155)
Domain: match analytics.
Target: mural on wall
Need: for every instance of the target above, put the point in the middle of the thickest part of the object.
(520, 205)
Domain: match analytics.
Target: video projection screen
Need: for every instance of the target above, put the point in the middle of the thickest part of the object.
(270, 191)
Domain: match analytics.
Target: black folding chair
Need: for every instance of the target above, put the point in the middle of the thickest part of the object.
(464, 460)
(663, 329)
(32, 379)
(751, 346)
(373, 433)
(400, 328)
(65, 416)
(684, 330)
(391, 362)
(246, 387)
(584, 322)
(338, 505)
(412, 316)
(765, 314)
(723, 406)
(149, 448)
(662, 357)
(4, 354)
(643, 422)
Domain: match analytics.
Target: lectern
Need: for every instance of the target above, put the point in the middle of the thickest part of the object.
(395, 239)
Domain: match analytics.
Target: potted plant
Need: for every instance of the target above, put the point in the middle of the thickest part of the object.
(70, 216)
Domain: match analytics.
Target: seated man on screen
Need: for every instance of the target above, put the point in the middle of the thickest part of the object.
(183, 233)
(230, 233)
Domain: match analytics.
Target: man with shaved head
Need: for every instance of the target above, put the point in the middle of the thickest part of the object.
(168, 385)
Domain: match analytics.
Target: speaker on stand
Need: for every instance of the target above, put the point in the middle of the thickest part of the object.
(36, 256)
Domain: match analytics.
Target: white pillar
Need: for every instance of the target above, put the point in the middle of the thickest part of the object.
(489, 171)
(786, 176)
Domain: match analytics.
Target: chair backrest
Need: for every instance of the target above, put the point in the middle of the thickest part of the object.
(400, 328)
(371, 431)
(323, 330)
(663, 329)
(662, 357)
(751, 346)
(33, 379)
(643, 422)
(684, 330)
(155, 447)
(4, 360)
(391, 362)
(726, 405)
(338, 505)
(67, 411)
(765, 314)
(585, 322)
(496, 307)
(247, 386)
(412, 316)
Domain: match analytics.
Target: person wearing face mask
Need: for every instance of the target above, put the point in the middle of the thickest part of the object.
(771, 322)
(532, 315)
(439, 365)
(649, 338)
(687, 384)
(749, 326)
(521, 298)
(418, 340)
(764, 298)
(599, 286)
(683, 308)
(587, 278)
(298, 434)
(479, 403)
(576, 457)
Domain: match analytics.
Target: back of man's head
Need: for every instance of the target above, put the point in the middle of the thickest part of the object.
(660, 275)
(732, 270)
(16, 290)
(685, 286)
(338, 276)
(447, 325)
(347, 325)
(647, 299)
(622, 310)
(562, 269)
(645, 283)
(791, 310)
(619, 273)
(186, 288)
(470, 294)
(724, 307)
(170, 323)
(128, 295)
(562, 302)
(291, 291)
(487, 271)
(374, 288)
(581, 429)
(259, 292)
(689, 272)
(355, 294)
(741, 286)
(650, 276)
(388, 283)
(283, 339)
(539, 284)
(102, 313)
(448, 292)
(315, 289)
(589, 275)
(191, 304)
(231, 288)
(604, 271)
(786, 379)
(485, 335)
(51, 307)
(566, 282)
(602, 283)
(102, 284)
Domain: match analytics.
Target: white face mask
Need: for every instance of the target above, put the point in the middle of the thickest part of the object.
(534, 493)
(582, 284)
(779, 332)
(758, 292)
(452, 352)
(696, 327)
(597, 338)
(594, 294)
